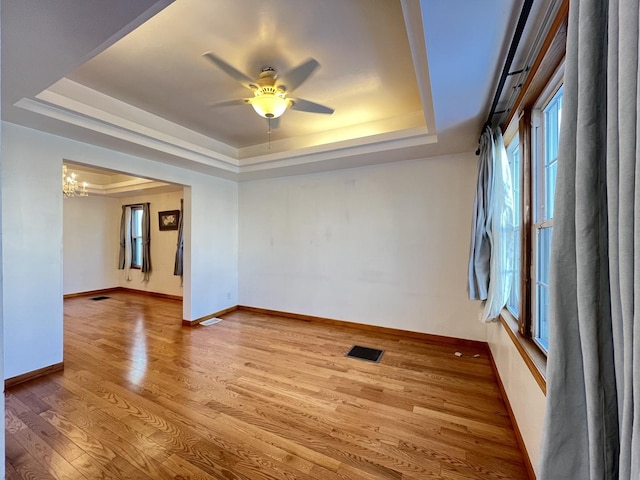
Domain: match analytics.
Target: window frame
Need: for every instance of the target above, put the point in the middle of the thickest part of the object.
(539, 67)
(531, 142)
(134, 209)
(542, 219)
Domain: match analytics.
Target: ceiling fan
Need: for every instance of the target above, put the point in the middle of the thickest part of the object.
(270, 90)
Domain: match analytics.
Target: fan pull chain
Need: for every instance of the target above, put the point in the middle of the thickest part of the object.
(269, 132)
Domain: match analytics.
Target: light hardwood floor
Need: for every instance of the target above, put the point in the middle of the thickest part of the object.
(253, 397)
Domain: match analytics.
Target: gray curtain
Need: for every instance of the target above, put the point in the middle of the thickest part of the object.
(123, 239)
(592, 424)
(480, 254)
(178, 265)
(146, 242)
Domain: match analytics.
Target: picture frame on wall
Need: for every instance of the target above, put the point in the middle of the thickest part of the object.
(168, 220)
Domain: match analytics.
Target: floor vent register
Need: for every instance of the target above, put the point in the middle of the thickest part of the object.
(365, 353)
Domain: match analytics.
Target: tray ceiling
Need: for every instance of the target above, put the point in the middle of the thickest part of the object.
(407, 79)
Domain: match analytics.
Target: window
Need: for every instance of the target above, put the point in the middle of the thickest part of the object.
(533, 158)
(546, 135)
(532, 135)
(513, 153)
(136, 237)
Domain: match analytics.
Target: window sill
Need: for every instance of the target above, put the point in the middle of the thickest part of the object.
(531, 354)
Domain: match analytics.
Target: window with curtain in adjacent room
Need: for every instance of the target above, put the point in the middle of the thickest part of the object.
(136, 236)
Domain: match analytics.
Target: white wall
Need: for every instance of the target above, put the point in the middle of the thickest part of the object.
(163, 247)
(525, 396)
(32, 239)
(211, 218)
(385, 245)
(91, 244)
(91, 232)
(2, 433)
(32, 248)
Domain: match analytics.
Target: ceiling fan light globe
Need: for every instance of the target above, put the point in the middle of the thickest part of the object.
(269, 105)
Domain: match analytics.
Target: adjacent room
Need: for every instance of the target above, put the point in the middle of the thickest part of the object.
(315, 240)
(92, 220)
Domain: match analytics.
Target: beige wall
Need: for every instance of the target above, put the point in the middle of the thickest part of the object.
(385, 245)
(525, 396)
(163, 247)
(90, 243)
(32, 239)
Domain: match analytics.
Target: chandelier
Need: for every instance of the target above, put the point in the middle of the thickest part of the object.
(71, 187)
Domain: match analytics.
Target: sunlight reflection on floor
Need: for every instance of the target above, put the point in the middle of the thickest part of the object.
(138, 355)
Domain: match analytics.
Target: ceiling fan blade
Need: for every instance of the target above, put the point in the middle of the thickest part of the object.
(230, 103)
(296, 76)
(307, 106)
(231, 71)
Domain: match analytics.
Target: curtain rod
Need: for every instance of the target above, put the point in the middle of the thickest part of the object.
(515, 42)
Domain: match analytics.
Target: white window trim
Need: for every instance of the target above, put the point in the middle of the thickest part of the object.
(538, 203)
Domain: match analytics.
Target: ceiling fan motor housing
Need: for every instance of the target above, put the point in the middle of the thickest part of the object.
(269, 101)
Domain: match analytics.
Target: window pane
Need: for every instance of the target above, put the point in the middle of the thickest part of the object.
(551, 172)
(542, 336)
(552, 114)
(543, 251)
(136, 222)
(513, 153)
(545, 173)
(136, 237)
(139, 251)
(514, 297)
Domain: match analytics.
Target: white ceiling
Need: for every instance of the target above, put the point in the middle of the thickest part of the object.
(407, 78)
(109, 183)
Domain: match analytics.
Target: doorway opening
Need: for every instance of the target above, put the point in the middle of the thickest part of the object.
(93, 231)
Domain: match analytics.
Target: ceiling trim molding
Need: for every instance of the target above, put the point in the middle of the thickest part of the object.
(412, 13)
(93, 124)
(415, 137)
(394, 128)
(79, 98)
(410, 131)
(130, 187)
(76, 98)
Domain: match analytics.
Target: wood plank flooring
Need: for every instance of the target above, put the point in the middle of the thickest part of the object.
(253, 397)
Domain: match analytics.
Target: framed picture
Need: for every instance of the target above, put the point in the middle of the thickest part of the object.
(168, 220)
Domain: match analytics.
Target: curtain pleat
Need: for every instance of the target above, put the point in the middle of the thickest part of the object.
(178, 264)
(500, 231)
(626, 138)
(592, 427)
(480, 252)
(492, 249)
(146, 242)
